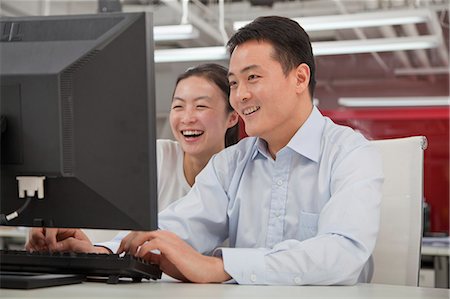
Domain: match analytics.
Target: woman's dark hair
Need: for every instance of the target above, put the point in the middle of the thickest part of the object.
(218, 75)
(289, 40)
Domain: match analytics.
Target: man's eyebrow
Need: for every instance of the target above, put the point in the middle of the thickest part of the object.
(245, 69)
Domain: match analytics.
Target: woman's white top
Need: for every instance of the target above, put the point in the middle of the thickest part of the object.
(172, 184)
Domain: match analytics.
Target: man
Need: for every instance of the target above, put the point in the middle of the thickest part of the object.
(298, 200)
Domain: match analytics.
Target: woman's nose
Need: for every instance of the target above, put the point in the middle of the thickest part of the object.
(189, 116)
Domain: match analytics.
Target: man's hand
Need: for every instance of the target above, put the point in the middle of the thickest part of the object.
(176, 258)
(61, 239)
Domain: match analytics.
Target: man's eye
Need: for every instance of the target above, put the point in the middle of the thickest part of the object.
(252, 77)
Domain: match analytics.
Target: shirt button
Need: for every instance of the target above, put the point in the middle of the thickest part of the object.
(297, 280)
(280, 182)
(253, 278)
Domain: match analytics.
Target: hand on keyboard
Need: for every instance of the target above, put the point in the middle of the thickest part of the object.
(177, 258)
(61, 239)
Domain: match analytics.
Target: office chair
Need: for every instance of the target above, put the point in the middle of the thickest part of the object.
(397, 251)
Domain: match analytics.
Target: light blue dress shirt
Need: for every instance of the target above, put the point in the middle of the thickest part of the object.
(311, 216)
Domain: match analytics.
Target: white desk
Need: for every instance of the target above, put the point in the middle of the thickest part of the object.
(167, 289)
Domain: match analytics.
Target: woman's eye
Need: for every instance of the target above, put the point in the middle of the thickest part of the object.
(232, 84)
(176, 107)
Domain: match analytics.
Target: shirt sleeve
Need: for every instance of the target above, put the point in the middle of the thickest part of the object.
(200, 217)
(113, 244)
(347, 229)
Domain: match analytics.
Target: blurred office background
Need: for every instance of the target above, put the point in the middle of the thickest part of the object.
(382, 65)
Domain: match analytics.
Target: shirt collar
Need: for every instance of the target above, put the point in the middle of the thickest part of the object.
(261, 147)
(306, 141)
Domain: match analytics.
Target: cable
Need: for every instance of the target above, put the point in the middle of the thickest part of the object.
(4, 219)
(28, 185)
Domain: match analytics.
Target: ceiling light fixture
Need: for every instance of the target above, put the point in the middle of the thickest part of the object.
(319, 48)
(175, 32)
(357, 20)
(191, 54)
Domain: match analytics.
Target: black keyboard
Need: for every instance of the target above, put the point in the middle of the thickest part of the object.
(111, 266)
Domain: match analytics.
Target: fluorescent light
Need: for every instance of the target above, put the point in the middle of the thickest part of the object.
(349, 21)
(394, 102)
(375, 45)
(319, 48)
(191, 54)
(175, 32)
(444, 70)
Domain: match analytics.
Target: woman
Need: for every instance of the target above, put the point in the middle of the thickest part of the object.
(202, 122)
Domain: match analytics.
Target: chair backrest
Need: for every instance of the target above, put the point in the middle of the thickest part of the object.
(397, 252)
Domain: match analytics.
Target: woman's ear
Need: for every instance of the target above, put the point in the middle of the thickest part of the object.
(233, 119)
(302, 76)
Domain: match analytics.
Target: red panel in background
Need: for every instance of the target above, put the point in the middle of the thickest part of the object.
(394, 123)
(432, 123)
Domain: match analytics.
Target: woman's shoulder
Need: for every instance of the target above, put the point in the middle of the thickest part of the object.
(167, 146)
(168, 152)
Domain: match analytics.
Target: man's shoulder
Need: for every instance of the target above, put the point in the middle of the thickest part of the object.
(246, 142)
(239, 151)
(243, 146)
(343, 146)
(342, 137)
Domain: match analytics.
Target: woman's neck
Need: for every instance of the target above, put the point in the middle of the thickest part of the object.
(192, 167)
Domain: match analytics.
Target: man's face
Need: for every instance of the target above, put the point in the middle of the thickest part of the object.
(265, 98)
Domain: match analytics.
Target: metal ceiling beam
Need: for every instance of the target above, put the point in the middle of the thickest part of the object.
(389, 32)
(11, 10)
(435, 27)
(197, 21)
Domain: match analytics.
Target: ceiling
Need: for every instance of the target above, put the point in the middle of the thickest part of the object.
(408, 71)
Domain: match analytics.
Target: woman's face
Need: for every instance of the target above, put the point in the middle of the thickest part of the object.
(199, 116)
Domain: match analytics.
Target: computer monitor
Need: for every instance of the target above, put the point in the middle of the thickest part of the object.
(78, 108)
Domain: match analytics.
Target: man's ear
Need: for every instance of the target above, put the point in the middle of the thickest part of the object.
(302, 76)
(233, 119)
